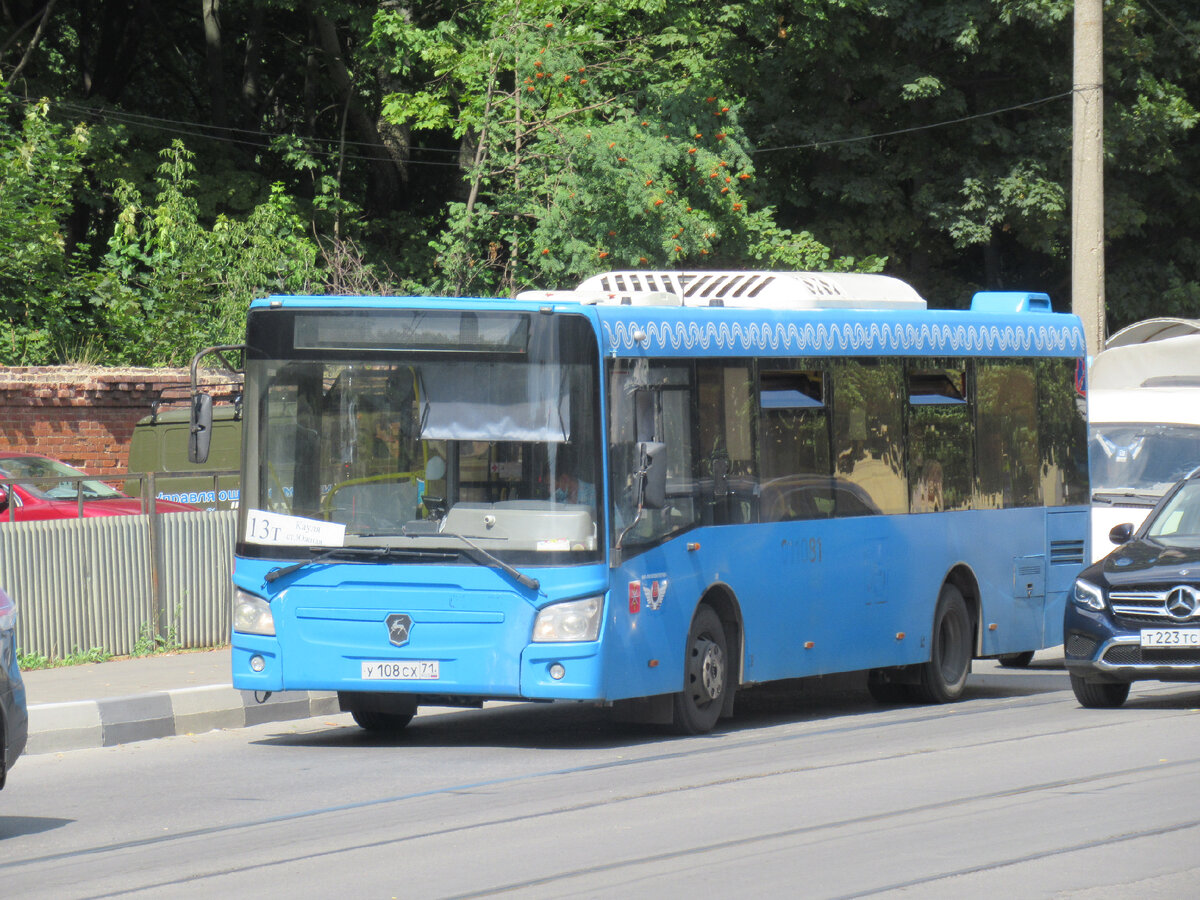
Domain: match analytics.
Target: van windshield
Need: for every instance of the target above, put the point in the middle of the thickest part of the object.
(1132, 460)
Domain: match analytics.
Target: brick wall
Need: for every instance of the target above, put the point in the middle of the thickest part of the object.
(84, 416)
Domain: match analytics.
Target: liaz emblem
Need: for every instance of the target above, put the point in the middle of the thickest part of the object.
(655, 592)
(648, 592)
(399, 626)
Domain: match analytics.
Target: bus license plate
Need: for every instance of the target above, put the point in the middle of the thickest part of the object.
(1153, 638)
(405, 670)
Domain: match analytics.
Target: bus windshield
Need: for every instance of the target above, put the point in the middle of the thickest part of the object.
(420, 447)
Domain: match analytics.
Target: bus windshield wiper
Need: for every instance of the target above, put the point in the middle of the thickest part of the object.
(334, 552)
(532, 583)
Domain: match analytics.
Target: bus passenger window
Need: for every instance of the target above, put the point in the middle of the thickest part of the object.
(940, 437)
(726, 448)
(797, 478)
(1062, 434)
(1007, 432)
(868, 436)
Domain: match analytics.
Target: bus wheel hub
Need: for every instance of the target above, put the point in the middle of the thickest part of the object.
(712, 670)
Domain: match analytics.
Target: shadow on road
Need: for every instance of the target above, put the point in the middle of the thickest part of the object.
(1164, 695)
(583, 726)
(16, 826)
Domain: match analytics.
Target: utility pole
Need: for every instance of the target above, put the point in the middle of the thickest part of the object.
(1087, 174)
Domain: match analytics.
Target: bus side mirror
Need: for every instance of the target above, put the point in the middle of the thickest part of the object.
(652, 476)
(3, 499)
(200, 434)
(1121, 533)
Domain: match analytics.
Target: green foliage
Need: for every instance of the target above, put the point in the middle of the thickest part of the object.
(170, 285)
(150, 643)
(29, 661)
(594, 147)
(489, 147)
(40, 165)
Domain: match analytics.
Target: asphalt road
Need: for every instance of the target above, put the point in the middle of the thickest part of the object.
(816, 792)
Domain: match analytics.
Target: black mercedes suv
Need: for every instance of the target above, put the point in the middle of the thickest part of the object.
(1135, 615)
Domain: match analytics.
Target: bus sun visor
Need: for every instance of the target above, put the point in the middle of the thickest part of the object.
(492, 402)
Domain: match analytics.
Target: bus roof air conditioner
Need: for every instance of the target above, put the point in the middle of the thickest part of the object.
(754, 290)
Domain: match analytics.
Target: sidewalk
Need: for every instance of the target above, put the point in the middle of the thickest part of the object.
(124, 700)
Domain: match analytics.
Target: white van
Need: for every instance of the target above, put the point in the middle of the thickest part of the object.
(1143, 421)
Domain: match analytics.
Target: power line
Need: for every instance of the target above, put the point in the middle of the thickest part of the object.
(202, 131)
(1171, 24)
(882, 134)
(199, 130)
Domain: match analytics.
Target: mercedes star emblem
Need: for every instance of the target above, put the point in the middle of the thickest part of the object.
(1182, 602)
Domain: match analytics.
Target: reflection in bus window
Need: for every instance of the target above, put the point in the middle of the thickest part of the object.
(1062, 435)
(868, 431)
(940, 437)
(1006, 429)
(794, 443)
(726, 448)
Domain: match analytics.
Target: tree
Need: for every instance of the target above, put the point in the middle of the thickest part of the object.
(849, 90)
(489, 147)
(170, 285)
(40, 164)
(593, 143)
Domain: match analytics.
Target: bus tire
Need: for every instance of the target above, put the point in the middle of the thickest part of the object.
(1016, 660)
(944, 677)
(705, 675)
(1099, 694)
(380, 722)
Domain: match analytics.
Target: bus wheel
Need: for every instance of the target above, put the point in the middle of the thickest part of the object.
(1016, 660)
(705, 675)
(381, 722)
(1099, 695)
(944, 677)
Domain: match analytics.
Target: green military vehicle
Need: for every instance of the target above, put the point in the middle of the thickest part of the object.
(160, 446)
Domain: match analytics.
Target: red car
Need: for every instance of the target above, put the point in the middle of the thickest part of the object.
(36, 487)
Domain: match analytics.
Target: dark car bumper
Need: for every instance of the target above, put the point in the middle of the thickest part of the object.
(14, 719)
(1097, 648)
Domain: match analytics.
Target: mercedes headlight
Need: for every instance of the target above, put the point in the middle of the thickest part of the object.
(1087, 595)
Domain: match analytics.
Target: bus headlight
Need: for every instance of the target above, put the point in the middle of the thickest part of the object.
(1087, 595)
(576, 620)
(251, 614)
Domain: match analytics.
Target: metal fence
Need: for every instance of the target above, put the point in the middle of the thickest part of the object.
(112, 581)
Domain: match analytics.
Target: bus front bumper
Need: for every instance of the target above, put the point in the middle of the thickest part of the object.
(559, 671)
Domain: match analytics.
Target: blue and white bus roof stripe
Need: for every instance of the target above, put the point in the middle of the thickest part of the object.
(641, 331)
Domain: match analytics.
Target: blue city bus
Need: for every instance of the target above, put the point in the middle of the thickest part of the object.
(652, 491)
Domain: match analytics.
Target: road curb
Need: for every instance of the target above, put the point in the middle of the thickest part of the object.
(85, 724)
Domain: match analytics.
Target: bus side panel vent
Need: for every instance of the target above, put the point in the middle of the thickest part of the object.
(1066, 553)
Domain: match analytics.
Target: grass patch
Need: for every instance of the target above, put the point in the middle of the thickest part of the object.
(30, 661)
